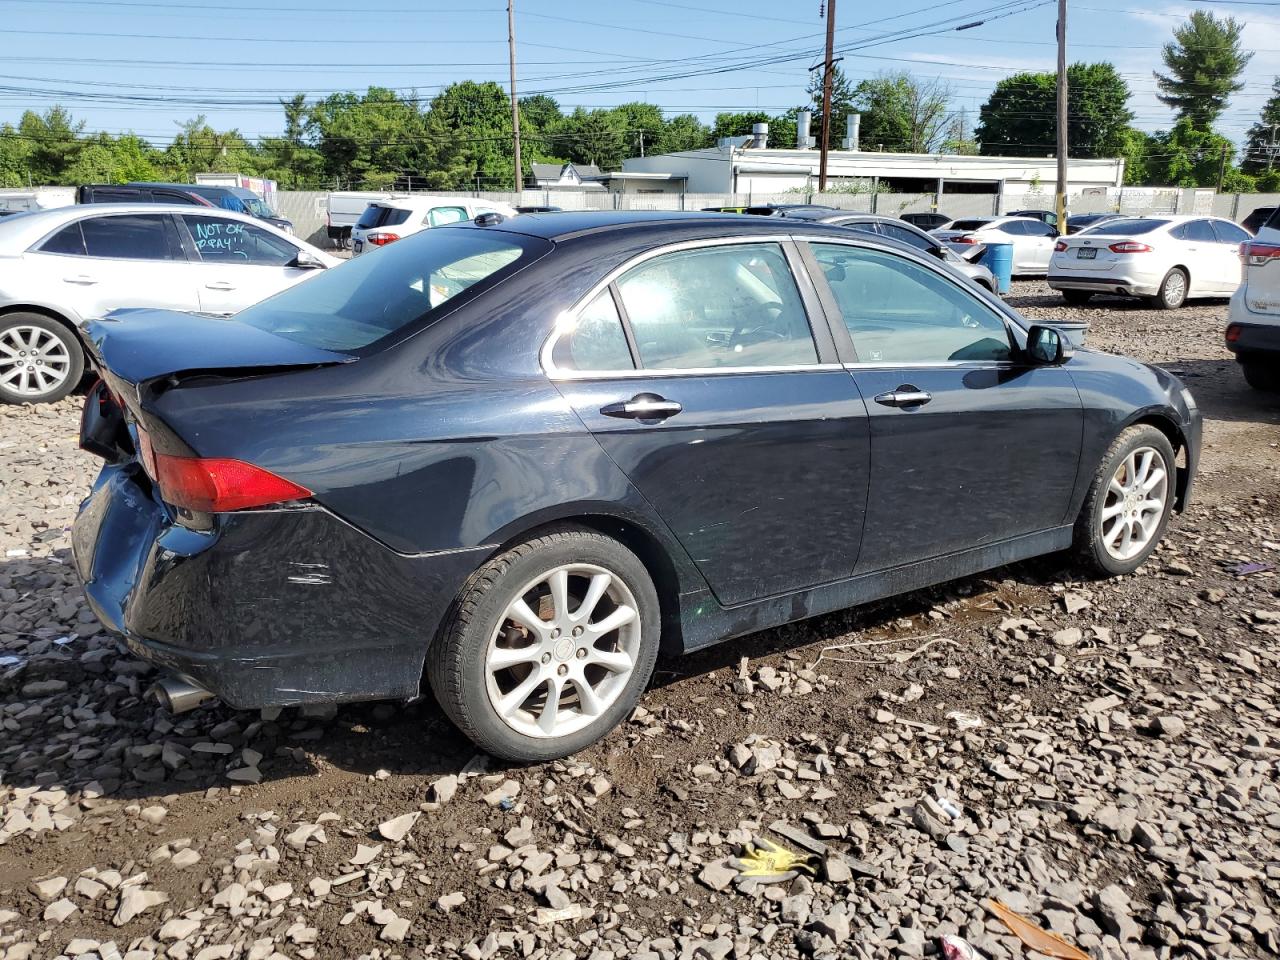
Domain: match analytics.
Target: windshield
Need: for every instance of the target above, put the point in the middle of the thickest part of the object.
(351, 306)
(1125, 228)
(258, 207)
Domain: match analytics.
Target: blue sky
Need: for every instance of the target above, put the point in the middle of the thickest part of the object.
(146, 65)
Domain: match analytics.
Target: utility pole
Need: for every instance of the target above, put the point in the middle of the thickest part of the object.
(1061, 196)
(826, 95)
(1222, 167)
(515, 104)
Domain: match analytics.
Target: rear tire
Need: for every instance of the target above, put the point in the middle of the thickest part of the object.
(1173, 290)
(1262, 375)
(1129, 502)
(40, 359)
(1077, 298)
(521, 669)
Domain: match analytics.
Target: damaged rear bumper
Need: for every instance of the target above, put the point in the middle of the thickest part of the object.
(270, 607)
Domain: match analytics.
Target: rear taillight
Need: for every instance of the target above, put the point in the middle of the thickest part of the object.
(1258, 254)
(382, 238)
(1129, 246)
(1060, 246)
(214, 484)
(965, 240)
(1233, 332)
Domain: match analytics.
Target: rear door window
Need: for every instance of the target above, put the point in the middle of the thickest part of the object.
(1198, 231)
(907, 236)
(717, 306)
(141, 236)
(596, 341)
(68, 241)
(377, 215)
(442, 216)
(230, 241)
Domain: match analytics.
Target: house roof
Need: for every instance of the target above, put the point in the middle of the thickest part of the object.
(553, 171)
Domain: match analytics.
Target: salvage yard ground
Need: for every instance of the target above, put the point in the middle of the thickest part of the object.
(1112, 748)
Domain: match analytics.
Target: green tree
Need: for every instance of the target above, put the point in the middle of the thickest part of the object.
(291, 160)
(199, 148)
(53, 143)
(685, 132)
(1204, 62)
(1188, 156)
(1261, 151)
(470, 131)
(369, 141)
(843, 97)
(1020, 117)
(782, 128)
(902, 113)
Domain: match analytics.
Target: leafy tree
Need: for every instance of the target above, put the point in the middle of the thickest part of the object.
(1204, 61)
(199, 148)
(368, 141)
(470, 128)
(53, 143)
(539, 111)
(843, 97)
(902, 113)
(782, 128)
(1187, 156)
(1261, 152)
(291, 160)
(1020, 117)
(686, 132)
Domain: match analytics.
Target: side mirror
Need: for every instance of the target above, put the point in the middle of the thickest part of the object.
(1047, 347)
(939, 251)
(306, 261)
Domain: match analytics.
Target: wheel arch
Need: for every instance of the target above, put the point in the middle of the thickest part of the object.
(51, 314)
(640, 539)
(1169, 426)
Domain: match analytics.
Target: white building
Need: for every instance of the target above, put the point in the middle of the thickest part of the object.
(741, 166)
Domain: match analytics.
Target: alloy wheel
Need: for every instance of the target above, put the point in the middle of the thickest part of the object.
(33, 361)
(1134, 503)
(563, 651)
(1175, 288)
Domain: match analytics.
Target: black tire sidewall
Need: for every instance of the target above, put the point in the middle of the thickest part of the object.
(465, 643)
(63, 333)
(1261, 375)
(1089, 527)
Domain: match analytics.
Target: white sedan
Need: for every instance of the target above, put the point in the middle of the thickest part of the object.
(1166, 259)
(60, 268)
(386, 221)
(1032, 239)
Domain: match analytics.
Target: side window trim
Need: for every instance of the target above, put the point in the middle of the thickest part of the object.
(791, 252)
(844, 340)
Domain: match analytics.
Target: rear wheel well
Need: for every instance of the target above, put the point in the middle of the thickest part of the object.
(44, 312)
(651, 553)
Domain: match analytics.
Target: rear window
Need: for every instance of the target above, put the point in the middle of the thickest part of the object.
(353, 305)
(379, 216)
(1126, 228)
(1273, 221)
(968, 225)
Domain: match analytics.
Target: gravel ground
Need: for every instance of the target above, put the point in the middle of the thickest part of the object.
(1100, 756)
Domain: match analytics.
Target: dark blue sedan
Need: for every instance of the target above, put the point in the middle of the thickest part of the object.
(515, 459)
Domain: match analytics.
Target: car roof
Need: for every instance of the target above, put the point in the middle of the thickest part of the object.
(420, 201)
(21, 232)
(565, 224)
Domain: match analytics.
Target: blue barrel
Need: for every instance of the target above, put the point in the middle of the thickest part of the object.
(998, 258)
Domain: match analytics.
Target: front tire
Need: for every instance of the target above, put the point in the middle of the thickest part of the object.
(550, 646)
(1262, 376)
(40, 359)
(1129, 502)
(1173, 290)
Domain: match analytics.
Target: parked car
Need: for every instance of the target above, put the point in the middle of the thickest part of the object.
(1085, 221)
(386, 221)
(343, 210)
(60, 268)
(1253, 321)
(1047, 217)
(518, 459)
(537, 208)
(893, 229)
(926, 221)
(1257, 219)
(237, 199)
(1032, 240)
(1166, 259)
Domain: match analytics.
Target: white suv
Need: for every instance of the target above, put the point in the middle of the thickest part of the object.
(386, 221)
(1253, 323)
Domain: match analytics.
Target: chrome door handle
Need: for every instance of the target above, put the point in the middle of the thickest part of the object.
(82, 279)
(904, 396)
(644, 406)
(220, 285)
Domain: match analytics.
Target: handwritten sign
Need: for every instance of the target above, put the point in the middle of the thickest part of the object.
(215, 236)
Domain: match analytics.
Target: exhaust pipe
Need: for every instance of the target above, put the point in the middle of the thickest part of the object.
(178, 695)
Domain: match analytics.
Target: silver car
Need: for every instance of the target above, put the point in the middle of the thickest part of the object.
(906, 233)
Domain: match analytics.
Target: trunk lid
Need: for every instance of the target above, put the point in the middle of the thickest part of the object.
(1085, 252)
(134, 346)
